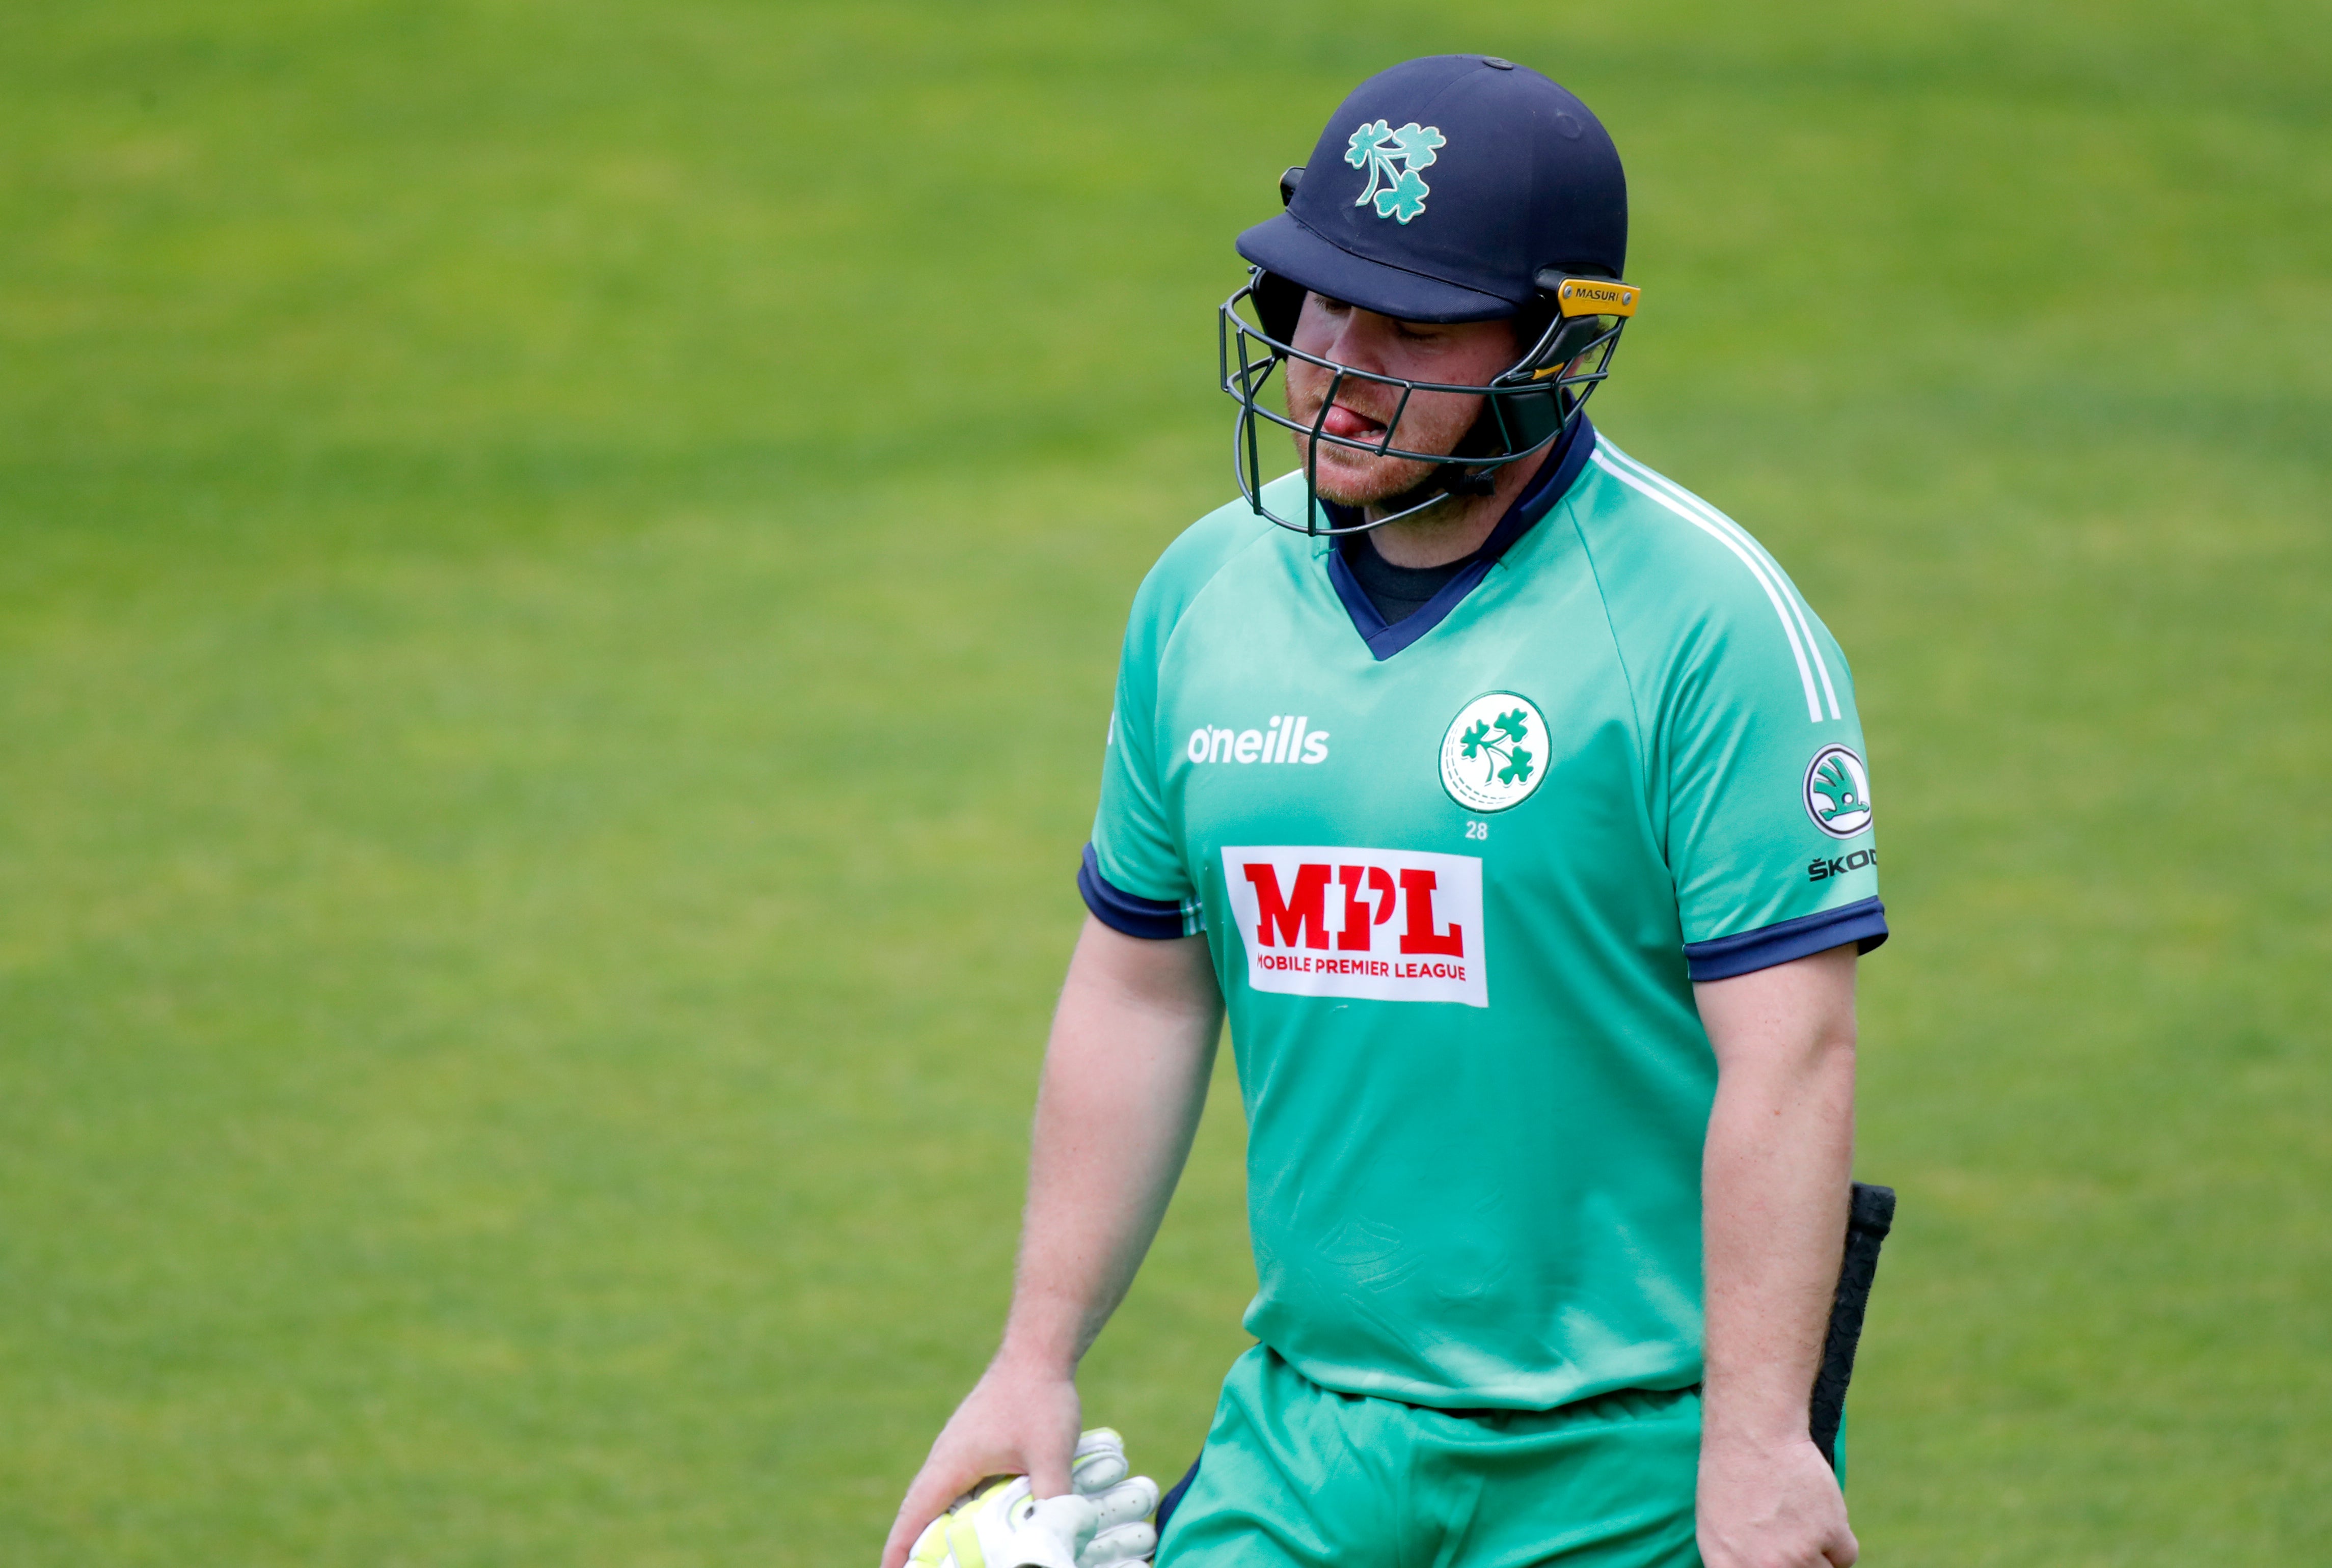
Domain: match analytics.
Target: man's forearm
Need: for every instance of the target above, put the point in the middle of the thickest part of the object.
(1775, 1177)
(1125, 1075)
(1774, 1198)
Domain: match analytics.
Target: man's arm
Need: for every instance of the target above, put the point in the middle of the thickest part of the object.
(1125, 1077)
(1774, 1184)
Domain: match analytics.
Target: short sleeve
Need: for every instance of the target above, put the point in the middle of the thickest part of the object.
(1135, 877)
(1764, 789)
(1132, 876)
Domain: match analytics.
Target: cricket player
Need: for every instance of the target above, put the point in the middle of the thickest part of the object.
(1511, 802)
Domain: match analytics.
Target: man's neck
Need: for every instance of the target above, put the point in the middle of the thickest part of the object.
(1456, 528)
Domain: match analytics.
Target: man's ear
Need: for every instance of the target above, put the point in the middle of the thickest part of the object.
(1278, 302)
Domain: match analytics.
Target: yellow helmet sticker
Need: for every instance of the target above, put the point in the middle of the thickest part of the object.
(1594, 297)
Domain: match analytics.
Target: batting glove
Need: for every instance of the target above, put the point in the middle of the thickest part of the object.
(1102, 1522)
(1123, 1502)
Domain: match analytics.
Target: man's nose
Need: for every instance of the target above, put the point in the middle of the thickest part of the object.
(1360, 340)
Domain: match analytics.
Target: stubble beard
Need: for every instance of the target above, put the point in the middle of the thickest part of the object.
(1352, 478)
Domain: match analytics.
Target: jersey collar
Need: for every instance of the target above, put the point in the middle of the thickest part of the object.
(1552, 483)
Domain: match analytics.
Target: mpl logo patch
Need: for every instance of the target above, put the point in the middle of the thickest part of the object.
(1494, 753)
(1388, 925)
(1392, 158)
(1837, 791)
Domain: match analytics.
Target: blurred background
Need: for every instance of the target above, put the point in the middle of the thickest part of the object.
(561, 567)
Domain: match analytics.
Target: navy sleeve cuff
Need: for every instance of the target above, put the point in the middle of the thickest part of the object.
(1863, 923)
(1153, 918)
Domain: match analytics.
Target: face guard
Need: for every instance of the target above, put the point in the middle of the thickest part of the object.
(1531, 403)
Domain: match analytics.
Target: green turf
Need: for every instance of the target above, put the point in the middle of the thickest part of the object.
(559, 566)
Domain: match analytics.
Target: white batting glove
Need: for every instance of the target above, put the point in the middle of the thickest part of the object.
(1103, 1522)
(1123, 1502)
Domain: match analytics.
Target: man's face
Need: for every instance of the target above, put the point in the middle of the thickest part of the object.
(1468, 353)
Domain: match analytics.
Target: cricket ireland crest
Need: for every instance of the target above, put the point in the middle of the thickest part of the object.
(1495, 752)
(1392, 158)
(1837, 791)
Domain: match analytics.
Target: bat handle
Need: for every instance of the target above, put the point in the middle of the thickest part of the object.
(1869, 1216)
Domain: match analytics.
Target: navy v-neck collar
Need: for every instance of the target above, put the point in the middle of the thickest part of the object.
(1538, 499)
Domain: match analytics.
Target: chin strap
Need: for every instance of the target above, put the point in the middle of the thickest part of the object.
(1453, 480)
(1460, 477)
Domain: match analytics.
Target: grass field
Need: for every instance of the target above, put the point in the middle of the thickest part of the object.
(559, 572)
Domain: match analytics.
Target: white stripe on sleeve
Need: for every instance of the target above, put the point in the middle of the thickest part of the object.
(1789, 627)
(1675, 495)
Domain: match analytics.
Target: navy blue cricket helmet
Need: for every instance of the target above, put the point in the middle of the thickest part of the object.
(1458, 187)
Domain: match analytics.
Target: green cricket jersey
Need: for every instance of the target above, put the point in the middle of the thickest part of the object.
(1457, 875)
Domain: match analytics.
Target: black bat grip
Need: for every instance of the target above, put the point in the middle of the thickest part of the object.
(1869, 1216)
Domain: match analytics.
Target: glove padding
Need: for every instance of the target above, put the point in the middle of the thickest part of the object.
(1123, 1502)
(1102, 1522)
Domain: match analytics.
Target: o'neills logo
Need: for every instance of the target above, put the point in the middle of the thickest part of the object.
(1388, 925)
(1283, 740)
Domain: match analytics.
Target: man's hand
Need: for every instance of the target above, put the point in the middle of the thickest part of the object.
(1102, 1522)
(1012, 1424)
(1770, 1507)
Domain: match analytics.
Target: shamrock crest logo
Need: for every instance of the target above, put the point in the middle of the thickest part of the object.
(1837, 791)
(1513, 728)
(1391, 159)
(1494, 753)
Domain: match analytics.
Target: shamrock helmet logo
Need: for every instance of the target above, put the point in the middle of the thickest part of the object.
(1391, 159)
(1494, 753)
(1837, 791)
